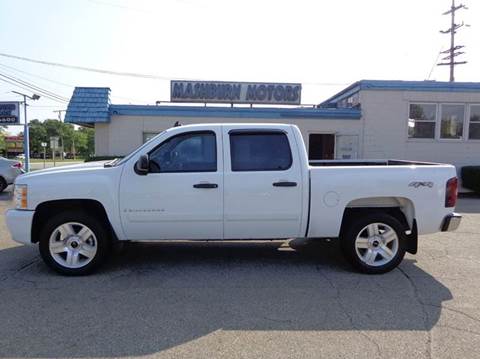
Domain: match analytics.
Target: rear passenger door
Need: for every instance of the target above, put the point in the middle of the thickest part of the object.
(262, 184)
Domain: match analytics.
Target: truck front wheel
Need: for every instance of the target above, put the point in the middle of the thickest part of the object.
(374, 243)
(74, 243)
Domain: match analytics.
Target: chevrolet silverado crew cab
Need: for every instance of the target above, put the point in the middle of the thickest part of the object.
(232, 182)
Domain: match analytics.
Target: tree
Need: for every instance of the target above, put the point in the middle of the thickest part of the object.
(86, 137)
(79, 141)
(38, 134)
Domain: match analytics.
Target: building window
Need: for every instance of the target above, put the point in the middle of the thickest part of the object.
(352, 101)
(474, 129)
(421, 120)
(452, 121)
(147, 136)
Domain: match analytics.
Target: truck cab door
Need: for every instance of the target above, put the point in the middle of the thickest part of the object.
(263, 183)
(181, 196)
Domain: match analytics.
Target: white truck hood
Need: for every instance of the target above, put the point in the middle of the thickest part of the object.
(61, 170)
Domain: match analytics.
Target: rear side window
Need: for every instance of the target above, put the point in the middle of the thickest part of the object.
(265, 151)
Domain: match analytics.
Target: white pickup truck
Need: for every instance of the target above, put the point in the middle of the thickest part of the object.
(232, 182)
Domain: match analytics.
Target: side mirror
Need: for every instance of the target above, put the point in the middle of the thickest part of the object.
(142, 165)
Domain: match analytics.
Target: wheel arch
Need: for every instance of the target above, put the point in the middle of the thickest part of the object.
(400, 208)
(47, 209)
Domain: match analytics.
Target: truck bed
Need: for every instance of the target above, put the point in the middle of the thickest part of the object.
(374, 162)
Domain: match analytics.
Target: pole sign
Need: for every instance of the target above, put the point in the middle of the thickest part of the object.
(235, 92)
(54, 142)
(9, 113)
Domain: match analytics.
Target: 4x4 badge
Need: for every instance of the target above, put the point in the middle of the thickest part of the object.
(421, 184)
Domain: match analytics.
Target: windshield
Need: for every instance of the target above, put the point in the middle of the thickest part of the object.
(127, 157)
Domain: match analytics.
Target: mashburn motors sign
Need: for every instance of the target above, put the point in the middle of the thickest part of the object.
(235, 92)
(9, 113)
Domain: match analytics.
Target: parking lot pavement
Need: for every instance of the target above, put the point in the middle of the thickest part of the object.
(246, 300)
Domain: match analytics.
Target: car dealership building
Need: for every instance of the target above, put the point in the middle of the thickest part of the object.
(374, 119)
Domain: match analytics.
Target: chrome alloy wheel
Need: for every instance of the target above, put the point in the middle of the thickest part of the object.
(73, 245)
(376, 244)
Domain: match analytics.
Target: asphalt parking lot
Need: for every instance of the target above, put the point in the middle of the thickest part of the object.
(246, 300)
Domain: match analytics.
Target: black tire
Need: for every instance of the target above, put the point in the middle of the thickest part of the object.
(3, 184)
(356, 227)
(97, 226)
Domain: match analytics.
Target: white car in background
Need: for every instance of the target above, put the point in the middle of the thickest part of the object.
(9, 170)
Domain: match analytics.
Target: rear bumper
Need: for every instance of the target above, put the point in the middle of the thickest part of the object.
(451, 222)
(11, 174)
(19, 223)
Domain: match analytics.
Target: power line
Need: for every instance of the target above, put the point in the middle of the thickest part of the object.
(37, 76)
(16, 85)
(134, 74)
(28, 88)
(35, 88)
(434, 64)
(70, 86)
(90, 69)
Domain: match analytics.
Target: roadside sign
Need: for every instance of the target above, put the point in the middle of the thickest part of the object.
(9, 113)
(43, 144)
(54, 141)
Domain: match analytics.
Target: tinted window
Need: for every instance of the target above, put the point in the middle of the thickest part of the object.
(421, 121)
(452, 121)
(474, 122)
(260, 152)
(189, 152)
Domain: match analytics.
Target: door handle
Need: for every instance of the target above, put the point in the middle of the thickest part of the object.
(205, 185)
(284, 184)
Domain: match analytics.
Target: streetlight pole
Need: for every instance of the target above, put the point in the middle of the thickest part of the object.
(26, 137)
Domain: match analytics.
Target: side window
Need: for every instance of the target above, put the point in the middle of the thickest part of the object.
(188, 152)
(262, 151)
(452, 121)
(421, 120)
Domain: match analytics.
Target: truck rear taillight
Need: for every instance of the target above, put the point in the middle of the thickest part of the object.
(17, 165)
(451, 192)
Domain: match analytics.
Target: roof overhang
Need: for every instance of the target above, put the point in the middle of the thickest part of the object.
(397, 85)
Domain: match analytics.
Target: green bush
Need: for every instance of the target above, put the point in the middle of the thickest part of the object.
(471, 178)
(101, 158)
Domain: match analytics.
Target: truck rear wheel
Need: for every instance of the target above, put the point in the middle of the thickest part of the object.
(74, 243)
(374, 243)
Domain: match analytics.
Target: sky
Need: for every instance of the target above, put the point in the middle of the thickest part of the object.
(325, 45)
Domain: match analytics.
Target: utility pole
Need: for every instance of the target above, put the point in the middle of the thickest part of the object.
(453, 52)
(61, 134)
(26, 137)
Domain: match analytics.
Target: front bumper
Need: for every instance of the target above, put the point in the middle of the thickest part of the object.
(19, 223)
(451, 222)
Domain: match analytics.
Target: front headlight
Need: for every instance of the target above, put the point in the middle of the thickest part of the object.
(20, 194)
